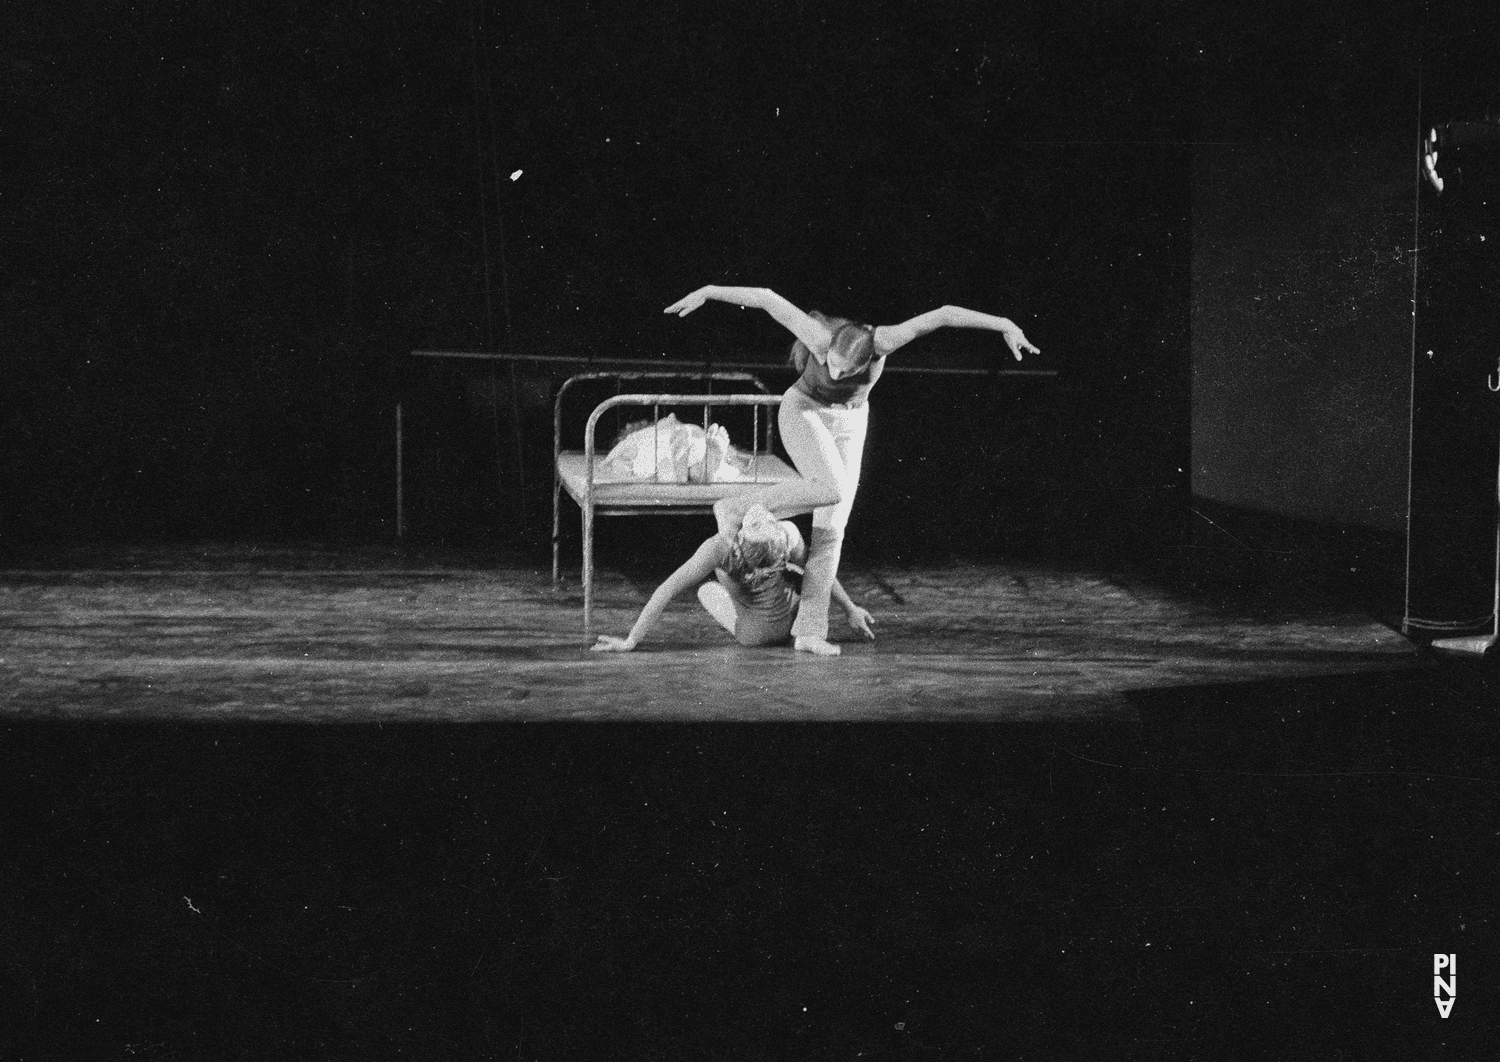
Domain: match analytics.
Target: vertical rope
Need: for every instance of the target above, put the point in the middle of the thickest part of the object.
(484, 244)
(515, 401)
(484, 223)
(1411, 417)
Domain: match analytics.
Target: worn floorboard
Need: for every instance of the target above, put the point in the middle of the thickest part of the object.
(311, 637)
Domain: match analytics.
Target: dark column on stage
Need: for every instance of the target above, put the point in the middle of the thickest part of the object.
(1455, 423)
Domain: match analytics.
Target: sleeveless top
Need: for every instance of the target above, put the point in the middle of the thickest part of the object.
(816, 383)
(762, 616)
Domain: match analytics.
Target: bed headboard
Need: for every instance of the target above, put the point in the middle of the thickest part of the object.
(619, 378)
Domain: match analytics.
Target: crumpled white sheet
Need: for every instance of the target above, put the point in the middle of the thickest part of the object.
(670, 451)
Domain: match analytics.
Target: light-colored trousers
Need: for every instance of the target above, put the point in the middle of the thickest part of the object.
(827, 444)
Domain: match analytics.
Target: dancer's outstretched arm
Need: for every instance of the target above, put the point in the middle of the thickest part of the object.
(693, 571)
(808, 329)
(890, 338)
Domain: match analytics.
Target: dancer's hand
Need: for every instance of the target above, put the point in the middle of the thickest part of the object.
(610, 644)
(1016, 340)
(861, 620)
(688, 303)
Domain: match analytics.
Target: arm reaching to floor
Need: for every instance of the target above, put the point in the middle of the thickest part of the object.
(859, 619)
(808, 329)
(693, 571)
(891, 338)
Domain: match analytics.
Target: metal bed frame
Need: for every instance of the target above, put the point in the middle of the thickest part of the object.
(658, 498)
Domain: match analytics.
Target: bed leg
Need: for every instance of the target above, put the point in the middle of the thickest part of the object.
(588, 572)
(555, 537)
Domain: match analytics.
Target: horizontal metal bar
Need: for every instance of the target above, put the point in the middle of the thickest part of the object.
(695, 374)
(689, 400)
(751, 366)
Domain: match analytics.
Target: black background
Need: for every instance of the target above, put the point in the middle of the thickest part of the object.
(230, 226)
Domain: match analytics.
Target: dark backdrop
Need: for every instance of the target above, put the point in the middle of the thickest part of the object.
(1304, 253)
(1303, 262)
(231, 226)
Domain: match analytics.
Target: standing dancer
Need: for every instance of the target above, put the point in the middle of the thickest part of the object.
(823, 420)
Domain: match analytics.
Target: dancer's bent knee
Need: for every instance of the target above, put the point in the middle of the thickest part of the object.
(829, 493)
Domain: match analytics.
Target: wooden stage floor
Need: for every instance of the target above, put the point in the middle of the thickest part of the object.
(243, 634)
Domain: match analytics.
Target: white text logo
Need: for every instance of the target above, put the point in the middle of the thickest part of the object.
(1441, 985)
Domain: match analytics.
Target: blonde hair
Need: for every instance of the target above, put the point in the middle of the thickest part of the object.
(755, 558)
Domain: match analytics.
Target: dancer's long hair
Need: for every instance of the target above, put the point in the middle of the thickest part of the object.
(853, 338)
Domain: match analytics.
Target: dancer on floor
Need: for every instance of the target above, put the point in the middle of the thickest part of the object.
(823, 420)
(753, 599)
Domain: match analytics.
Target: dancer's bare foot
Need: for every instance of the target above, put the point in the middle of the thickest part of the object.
(686, 454)
(816, 645)
(717, 447)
